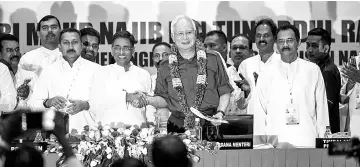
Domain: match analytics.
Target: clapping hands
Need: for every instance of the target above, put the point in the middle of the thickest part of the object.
(351, 73)
(137, 99)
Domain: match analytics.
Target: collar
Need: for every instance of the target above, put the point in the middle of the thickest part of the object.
(77, 64)
(294, 63)
(324, 61)
(49, 52)
(118, 67)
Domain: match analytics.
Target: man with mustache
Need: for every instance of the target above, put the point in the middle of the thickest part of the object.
(90, 39)
(9, 48)
(161, 53)
(33, 62)
(292, 96)
(254, 66)
(65, 85)
(116, 86)
(318, 45)
(240, 50)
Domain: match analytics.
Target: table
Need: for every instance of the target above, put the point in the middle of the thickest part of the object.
(301, 157)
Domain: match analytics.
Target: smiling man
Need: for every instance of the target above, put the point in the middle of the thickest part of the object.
(254, 66)
(191, 77)
(65, 85)
(115, 86)
(318, 45)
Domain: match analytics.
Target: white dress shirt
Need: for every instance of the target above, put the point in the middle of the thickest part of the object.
(32, 63)
(247, 69)
(353, 105)
(108, 95)
(302, 82)
(72, 83)
(7, 90)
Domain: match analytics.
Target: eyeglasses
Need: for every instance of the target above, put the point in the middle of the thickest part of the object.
(181, 34)
(11, 50)
(288, 41)
(236, 47)
(125, 48)
(94, 45)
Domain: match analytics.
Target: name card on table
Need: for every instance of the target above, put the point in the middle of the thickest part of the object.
(240, 143)
(41, 146)
(237, 134)
(324, 142)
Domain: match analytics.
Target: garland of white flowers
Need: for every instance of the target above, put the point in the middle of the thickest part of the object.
(201, 83)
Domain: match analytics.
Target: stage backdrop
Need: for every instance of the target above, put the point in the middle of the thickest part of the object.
(149, 21)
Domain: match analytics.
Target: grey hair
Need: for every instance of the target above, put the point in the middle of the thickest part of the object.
(177, 19)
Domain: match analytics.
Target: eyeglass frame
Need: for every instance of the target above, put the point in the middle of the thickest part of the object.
(288, 41)
(125, 48)
(178, 35)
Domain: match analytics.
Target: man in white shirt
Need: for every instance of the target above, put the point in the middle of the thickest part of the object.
(32, 63)
(9, 48)
(240, 50)
(65, 85)
(7, 90)
(116, 86)
(252, 67)
(292, 96)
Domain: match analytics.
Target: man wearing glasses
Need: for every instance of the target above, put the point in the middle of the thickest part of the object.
(90, 39)
(191, 77)
(240, 50)
(292, 96)
(33, 62)
(9, 47)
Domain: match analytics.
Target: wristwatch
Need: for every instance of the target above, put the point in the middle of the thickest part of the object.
(44, 103)
(222, 112)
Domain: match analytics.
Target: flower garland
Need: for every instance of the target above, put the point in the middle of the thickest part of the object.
(201, 83)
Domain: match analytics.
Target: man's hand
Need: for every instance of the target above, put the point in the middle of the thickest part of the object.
(219, 116)
(244, 85)
(351, 73)
(137, 99)
(58, 102)
(76, 106)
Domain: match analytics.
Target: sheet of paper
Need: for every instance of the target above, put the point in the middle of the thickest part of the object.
(200, 115)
